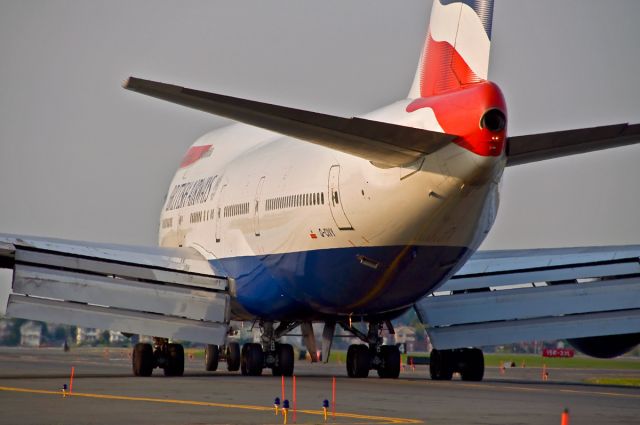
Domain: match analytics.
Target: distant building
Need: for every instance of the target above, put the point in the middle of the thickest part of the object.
(116, 337)
(5, 330)
(31, 334)
(87, 335)
(406, 335)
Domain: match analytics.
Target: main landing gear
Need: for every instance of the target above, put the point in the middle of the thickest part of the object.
(252, 357)
(162, 354)
(269, 353)
(469, 362)
(361, 358)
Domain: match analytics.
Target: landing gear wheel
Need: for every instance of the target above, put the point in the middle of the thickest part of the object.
(285, 360)
(358, 361)
(251, 359)
(390, 367)
(471, 364)
(233, 356)
(175, 360)
(142, 359)
(441, 365)
(211, 356)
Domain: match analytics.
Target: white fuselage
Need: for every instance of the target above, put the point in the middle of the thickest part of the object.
(262, 195)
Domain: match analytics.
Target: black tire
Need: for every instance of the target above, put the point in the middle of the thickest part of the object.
(441, 365)
(285, 359)
(390, 368)
(142, 359)
(358, 361)
(471, 365)
(233, 356)
(251, 359)
(175, 360)
(211, 357)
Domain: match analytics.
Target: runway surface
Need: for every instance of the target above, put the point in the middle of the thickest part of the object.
(105, 392)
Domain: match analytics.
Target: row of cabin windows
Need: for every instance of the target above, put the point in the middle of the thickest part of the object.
(237, 209)
(301, 200)
(291, 201)
(196, 217)
(167, 222)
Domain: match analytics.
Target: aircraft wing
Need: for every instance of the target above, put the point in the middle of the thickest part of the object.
(381, 143)
(502, 297)
(538, 147)
(163, 292)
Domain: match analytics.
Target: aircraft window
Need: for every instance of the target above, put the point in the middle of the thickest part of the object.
(322, 198)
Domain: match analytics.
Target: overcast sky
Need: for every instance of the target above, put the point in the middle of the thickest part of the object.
(81, 158)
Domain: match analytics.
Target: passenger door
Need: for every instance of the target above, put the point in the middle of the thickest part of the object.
(256, 209)
(219, 214)
(335, 200)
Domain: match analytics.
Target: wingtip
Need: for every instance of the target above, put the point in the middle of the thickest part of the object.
(126, 83)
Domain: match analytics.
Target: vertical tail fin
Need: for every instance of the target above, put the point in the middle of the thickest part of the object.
(456, 51)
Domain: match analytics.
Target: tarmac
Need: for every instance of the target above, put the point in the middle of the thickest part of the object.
(105, 392)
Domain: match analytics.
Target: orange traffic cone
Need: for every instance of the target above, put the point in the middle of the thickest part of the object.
(564, 419)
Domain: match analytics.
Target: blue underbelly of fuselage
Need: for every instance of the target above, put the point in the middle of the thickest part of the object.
(362, 281)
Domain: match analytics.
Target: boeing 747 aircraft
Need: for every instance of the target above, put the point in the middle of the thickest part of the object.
(293, 217)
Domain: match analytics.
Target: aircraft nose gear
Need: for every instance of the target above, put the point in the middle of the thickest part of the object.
(163, 354)
(361, 358)
(469, 362)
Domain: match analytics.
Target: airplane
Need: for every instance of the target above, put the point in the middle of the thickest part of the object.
(293, 217)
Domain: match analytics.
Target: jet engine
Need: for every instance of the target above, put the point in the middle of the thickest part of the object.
(606, 347)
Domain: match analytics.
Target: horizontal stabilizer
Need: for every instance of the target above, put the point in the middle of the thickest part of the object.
(381, 143)
(538, 147)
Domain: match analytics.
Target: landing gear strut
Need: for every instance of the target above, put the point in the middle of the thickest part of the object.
(469, 362)
(162, 354)
(361, 358)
